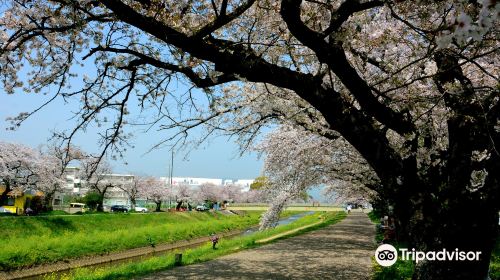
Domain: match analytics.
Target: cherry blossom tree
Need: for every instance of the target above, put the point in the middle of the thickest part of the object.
(18, 168)
(134, 189)
(93, 172)
(297, 159)
(208, 192)
(51, 166)
(411, 85)
(183, 191)
(230, 192)
(252, 196)
(183, 194)
(219, 193)
(50, 178)
(155, 190)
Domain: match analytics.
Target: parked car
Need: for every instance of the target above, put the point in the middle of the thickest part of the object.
(119, 208)
(141, 209)
(202, 207)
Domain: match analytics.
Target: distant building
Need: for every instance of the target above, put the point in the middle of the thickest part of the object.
(72, 179)
(191, 181)
(196, 182)
(76, 186)
(72, 185)
(244, 183)
(115, 195)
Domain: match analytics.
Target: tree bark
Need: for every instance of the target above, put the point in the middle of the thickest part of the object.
(158, 206)
(100, 207)
(466, 227)
(49, 197)
(133, 203)
(3, 196)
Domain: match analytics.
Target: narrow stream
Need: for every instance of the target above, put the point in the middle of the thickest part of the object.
(284, 221)
(58, 274)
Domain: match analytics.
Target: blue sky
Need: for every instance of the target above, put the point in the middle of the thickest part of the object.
(218, 158)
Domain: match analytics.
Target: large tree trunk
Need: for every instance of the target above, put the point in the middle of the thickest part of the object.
(133, 203)
(3, 196)
(158, 206)
(271, 217)
(48, 199)
(466, 227)
(448, 217)
(100, 205)
(445, 206)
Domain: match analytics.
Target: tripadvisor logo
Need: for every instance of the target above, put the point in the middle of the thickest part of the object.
(387, 255)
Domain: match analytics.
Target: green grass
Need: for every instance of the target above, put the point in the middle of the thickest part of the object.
(379, 236)
(401, 270)
(54, 213)
(495, 261)
(200, 254)
(373, 217)
(28, 241)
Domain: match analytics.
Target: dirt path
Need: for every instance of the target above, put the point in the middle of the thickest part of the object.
(340, 251)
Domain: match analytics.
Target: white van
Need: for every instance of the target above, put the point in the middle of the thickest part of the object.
(77, 207)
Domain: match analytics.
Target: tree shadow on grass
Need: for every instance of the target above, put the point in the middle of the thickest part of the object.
(56, 225)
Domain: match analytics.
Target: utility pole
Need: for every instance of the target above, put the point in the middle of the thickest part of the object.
(172, 169)
(168, 175)
(171, 174)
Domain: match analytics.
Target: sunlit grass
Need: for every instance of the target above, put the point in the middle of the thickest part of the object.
(38, 240)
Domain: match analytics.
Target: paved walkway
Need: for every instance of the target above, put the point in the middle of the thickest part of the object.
(340, 251)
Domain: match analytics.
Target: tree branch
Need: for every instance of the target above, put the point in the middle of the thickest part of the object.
(144, 59)
(347, 9)
(223, 18)
(334, 56)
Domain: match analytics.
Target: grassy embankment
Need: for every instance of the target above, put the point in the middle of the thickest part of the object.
(403, 270)
(28, 241)
(205, 252)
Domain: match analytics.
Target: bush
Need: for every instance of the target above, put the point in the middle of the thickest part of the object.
(92, 199)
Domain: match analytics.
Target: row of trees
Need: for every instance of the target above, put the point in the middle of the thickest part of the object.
(297, 159)
(157, 191)
(23, 168)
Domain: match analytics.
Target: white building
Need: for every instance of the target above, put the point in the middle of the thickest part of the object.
(71, 186)
(195, 182)
(115, 195)
(244, 183)
(72, 179)
(191, 181)
(76, 186)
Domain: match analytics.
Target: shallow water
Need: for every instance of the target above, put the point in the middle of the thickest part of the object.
(281, 222)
